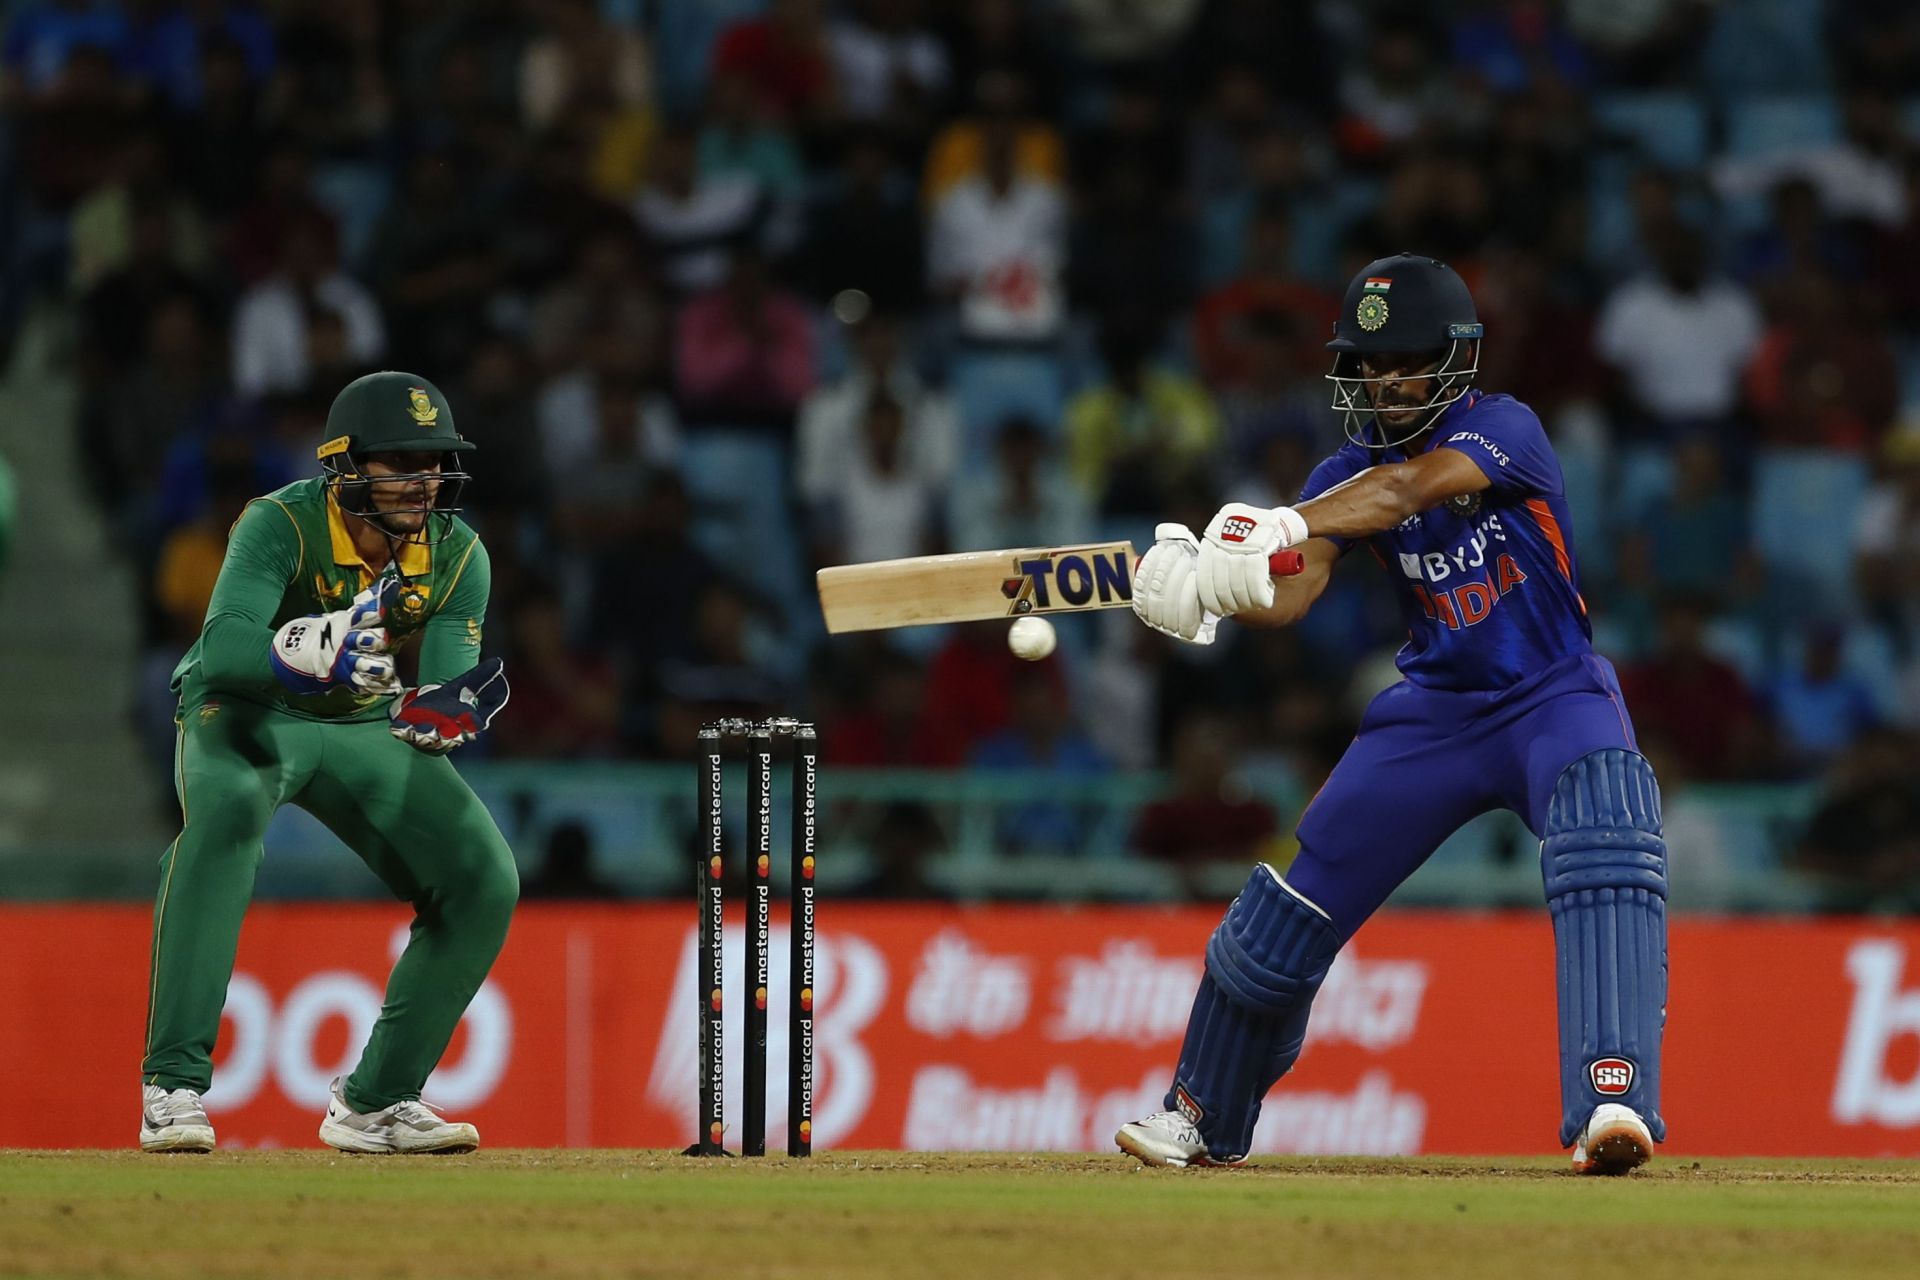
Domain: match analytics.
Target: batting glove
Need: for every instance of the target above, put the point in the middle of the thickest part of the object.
(1234, 573)
(436, 718)
(1166, 589)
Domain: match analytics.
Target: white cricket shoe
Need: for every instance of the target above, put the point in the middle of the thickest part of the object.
(406, 1128)
(1166, 1140)
(173, 1121)
(1616, 1140)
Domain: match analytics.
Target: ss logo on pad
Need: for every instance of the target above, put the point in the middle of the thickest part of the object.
(1610, 1075)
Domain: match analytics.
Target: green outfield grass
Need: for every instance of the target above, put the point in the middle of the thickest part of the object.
(887, 1214)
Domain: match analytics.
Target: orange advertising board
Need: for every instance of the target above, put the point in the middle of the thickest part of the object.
(1002, 1027)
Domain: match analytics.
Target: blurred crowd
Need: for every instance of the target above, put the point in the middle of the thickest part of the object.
(726, 290)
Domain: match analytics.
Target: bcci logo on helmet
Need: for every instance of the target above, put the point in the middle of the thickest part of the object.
(1371, 313)
(1236, 529)
(1610, 1076)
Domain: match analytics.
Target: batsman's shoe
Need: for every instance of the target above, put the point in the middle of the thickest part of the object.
(1167, 1140)
(1616, 1140)
(173, 1121)
(405, 1128)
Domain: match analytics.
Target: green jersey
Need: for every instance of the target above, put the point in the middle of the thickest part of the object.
(290, 555)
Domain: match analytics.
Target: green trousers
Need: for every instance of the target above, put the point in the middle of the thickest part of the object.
(409, 816)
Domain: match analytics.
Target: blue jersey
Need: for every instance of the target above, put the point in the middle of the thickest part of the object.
(1487, 583)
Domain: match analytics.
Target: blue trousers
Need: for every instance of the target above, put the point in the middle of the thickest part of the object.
(1427, 761)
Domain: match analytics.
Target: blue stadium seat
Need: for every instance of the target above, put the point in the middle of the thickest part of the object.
(1668, 128)
(738, 481)
(1803, 489)
(990, 386)
(1767, 46)
(1766, 125)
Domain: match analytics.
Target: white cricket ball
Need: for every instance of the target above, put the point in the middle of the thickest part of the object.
(1031, 638)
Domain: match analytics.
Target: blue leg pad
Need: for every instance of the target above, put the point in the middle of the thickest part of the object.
(1264, 963)
(1605, 867)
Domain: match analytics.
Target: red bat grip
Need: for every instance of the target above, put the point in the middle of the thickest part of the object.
(1284, 564)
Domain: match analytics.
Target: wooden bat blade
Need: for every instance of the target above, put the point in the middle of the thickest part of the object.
(973, 586)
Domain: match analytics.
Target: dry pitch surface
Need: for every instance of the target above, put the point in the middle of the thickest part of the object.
(884, 1214)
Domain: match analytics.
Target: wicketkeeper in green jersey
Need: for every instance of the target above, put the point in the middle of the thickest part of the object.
(292, 695)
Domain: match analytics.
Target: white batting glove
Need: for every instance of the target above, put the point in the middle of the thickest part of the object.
(1233, 570)
(1166, 586)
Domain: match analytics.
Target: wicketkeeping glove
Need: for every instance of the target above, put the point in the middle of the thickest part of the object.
(345, 648)
(436, 718)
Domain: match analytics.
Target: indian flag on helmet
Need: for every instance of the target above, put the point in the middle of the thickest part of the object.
(1377, 284)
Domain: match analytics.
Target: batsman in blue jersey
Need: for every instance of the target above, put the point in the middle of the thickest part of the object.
(1504, 705)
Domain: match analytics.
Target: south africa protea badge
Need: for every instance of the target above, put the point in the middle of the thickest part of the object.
(1371, 314)
(409, 607)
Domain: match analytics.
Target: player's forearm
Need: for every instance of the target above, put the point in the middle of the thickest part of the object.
(234, 653)
(1372, 502)
(1294, 596)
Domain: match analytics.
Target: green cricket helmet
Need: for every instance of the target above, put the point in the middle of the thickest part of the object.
(392, 412)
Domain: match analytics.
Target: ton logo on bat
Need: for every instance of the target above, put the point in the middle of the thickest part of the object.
(1069, 580)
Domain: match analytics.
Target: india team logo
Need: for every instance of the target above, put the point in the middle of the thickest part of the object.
(1371, 314)
(1610, 1076)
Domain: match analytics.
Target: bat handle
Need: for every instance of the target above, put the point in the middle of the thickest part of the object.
(1284, 564)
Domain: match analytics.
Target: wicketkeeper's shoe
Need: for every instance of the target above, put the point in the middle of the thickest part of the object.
(1168, 1140)
(1616, 1140)
(405, 1128)
(173, 1121)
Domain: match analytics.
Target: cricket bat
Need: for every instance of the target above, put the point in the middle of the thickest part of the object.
(973, 586)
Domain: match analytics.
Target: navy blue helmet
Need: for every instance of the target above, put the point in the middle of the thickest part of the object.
(1410, 305)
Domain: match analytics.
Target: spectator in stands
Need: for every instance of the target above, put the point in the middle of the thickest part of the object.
(1545, 354)
(1265, 291)
(1131, 247)
(1040, 737)
(42, 38)
(216, 146)
(864, 231)
(879, 502)
(549, 211)
(996, 238)
(1023, 499)
(1140, 434)
(786, 58)
(970, 683)
(1001, 134)
(566, 869)
(739, 141)
(605, 490)
(1863, 843)
(1393, 89)
(831, 418)
(891, 72)
(1676, 345)
(693, 222)
(1886, 546)
(1647, 43)
(167, 50)
(1693, 538)
(986, 36)
(566, 699)
(1210, 816)
(332, 95)
(744, 352)
(1797, 239)
(71, 128)
(1818, 382)
(101, 230)
(647, 632)
(1858, 176)
(578, 58)
(171, 383)
(495, 392)
(435, 261)
(270, 322)
(723, 672)
(1818, 706)
(282, 206)
(887, 724)
(1693, 703)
